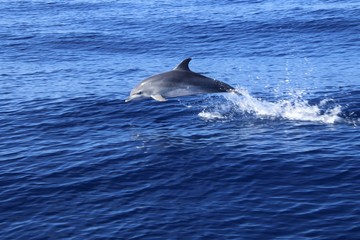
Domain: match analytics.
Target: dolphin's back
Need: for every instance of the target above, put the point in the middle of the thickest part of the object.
(178, 83)
(191, 79)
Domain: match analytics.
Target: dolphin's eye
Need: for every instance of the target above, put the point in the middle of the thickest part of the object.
(139, 93)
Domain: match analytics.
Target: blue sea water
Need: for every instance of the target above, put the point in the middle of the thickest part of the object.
(282, 161)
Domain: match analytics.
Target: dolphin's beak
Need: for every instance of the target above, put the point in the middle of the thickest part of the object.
(131, 97)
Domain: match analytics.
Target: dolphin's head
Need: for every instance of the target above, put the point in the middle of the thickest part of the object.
(137, 93)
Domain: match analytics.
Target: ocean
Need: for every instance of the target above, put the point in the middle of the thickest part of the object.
(281, 161)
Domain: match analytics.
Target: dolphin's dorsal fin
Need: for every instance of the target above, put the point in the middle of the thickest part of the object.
(184, 65)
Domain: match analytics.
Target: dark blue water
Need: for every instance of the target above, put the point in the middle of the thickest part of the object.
(280, 162)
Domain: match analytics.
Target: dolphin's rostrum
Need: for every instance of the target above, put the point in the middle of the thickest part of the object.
(181, 81)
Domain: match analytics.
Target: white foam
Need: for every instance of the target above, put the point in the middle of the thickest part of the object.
(296, 108)
(211, 115)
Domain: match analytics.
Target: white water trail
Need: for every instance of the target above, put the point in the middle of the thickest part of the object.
(296, 108)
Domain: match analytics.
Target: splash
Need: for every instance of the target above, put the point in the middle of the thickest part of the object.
(211, 115)
(294, 108)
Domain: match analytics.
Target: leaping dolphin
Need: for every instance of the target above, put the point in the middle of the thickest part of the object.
(181, 81)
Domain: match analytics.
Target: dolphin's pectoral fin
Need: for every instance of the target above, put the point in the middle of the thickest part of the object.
(158, 97)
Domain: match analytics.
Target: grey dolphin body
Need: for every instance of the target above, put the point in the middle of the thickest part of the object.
(181, 81)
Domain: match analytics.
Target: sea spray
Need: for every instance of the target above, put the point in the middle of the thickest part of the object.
(294, 108)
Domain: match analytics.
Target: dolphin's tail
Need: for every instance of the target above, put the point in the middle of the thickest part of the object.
(233, 90)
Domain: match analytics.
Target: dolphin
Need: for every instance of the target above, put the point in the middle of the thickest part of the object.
(180, 81)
